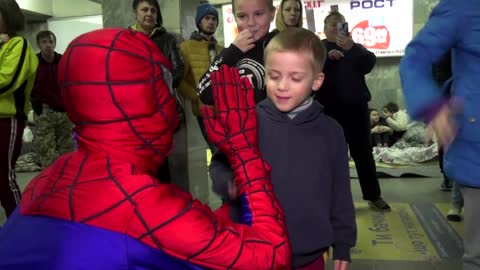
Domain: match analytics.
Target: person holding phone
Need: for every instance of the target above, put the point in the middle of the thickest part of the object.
(345, 95)
(342, 29)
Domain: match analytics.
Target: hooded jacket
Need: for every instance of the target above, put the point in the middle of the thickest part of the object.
(101, 208)
(310, 174)
(18, 66)
(453, 25)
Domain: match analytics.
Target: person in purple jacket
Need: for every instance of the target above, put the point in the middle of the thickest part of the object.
(302, 144)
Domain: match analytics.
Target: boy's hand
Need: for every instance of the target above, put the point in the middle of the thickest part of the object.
(244, 41)
(335, 54)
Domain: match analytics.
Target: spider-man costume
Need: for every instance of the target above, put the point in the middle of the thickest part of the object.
(101, 208)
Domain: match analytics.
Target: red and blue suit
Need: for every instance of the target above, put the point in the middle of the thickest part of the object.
(101, 207)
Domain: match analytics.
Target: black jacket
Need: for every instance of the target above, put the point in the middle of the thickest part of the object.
(168, 44)
(345, 78)
(250, 64)
(46, 89)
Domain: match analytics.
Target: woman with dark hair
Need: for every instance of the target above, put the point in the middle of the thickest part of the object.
(18, 64)
(289, 14)
(150, 21)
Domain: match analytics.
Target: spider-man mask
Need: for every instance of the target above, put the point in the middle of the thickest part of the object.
(116, 90)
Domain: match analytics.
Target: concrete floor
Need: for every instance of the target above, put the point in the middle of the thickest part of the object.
(395, 190)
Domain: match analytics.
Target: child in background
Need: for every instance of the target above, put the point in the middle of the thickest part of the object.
(397, 119)
(300, 142)
(380, 130)
(253, 18)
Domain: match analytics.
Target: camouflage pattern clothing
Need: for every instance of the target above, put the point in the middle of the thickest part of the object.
(52, 135)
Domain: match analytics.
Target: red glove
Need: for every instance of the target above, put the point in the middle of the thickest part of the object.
(233, 125)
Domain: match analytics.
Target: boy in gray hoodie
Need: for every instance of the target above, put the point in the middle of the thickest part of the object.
(300, 142)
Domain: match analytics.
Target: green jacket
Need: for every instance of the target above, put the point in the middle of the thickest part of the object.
(18, 65)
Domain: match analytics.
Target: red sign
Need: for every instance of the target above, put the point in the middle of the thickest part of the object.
(313, 4)
(372, 37)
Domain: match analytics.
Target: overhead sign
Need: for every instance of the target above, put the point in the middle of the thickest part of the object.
(385, 27)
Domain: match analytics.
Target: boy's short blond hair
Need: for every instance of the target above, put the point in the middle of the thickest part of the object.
(299, 40)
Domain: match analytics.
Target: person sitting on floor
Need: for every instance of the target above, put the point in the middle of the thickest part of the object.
(398, 120)
(380, 130)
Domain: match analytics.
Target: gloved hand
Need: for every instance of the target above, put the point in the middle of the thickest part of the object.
(232, 127)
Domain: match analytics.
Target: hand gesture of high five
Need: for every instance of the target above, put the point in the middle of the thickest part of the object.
(233, 124)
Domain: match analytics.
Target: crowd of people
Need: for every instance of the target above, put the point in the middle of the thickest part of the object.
(274, 109)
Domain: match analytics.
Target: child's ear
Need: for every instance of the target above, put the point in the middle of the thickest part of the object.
(318, 81)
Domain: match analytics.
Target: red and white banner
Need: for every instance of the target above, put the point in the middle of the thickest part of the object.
(385, 27)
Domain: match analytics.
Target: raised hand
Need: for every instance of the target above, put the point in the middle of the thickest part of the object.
(244, 41)
(345, 42)
(233, 125)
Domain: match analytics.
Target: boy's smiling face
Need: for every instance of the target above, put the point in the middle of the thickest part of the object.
(290, 78)
(255, 16)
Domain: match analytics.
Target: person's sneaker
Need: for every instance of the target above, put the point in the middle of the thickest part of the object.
(454, 215)
(446, 185)
(379, 205)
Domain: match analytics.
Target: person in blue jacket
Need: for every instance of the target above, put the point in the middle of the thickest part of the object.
(455, 25)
